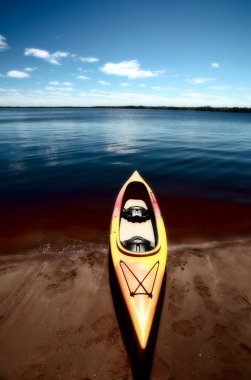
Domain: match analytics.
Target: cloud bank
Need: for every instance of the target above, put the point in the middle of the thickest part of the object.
(65, 96)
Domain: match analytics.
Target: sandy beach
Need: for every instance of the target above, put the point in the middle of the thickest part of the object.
(59, 318)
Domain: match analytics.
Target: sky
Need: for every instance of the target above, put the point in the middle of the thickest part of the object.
(114, 52)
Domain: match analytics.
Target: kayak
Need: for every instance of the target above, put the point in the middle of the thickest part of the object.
(138, 246)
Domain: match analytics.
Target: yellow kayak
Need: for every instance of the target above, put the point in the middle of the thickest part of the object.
(139, 251)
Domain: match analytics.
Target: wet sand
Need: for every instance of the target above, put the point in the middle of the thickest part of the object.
(58, 319)
(25, 225)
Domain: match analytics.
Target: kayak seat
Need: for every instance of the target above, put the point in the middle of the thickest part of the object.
(132, 225)
(136, 214)
(138, 244)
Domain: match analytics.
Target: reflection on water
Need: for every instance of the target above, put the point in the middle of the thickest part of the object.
(46, 151)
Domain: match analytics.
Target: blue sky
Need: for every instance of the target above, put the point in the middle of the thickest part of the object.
(90, 52)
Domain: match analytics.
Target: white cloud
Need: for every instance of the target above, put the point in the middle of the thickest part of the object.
(130, 69)
(124, 84)
(104, 83)
(142, 85)
(56, 83)
(44, 54)
(215, 65)
(3, 43)
(39, 53)
(30, 68)
(60, 54)
(83, 77)
(67, 89)
(169, 88)
(9, 90)
(199, 80)
(219, 88)
(159, 88)
(17, 74)
(88, 59)
(84, 71)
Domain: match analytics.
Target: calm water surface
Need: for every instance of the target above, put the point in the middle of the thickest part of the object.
(52, 151)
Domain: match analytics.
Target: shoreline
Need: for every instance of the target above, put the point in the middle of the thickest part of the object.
(25, 225)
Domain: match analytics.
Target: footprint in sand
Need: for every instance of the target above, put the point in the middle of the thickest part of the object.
(177, 293)
(34, 371)
(188, 328)
(233, 296)
(245, 352)
(64, 281)
(176, 261)
(231, 332)
(224, 354)
(200, 322)
(93, 258)
(104, 323)
(8, 269)
(229, 374)
(246, 348)
(204, 292)
(197, 252)
(105, 331)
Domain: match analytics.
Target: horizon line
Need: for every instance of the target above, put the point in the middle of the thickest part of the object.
(181, 108)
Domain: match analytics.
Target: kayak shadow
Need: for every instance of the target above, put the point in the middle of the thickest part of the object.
(141, 364)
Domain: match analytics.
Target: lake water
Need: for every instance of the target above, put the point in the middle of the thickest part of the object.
(48, 153)
(206, 154)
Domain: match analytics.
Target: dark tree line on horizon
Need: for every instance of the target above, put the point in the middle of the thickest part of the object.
(201, 108)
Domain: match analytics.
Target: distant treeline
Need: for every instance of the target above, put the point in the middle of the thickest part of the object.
(203, 108)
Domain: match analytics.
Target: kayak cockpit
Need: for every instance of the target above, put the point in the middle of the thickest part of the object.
(137, 228)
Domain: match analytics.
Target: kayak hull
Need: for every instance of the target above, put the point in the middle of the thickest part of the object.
(139, 274)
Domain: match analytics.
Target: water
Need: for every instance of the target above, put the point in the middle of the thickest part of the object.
(45, 152)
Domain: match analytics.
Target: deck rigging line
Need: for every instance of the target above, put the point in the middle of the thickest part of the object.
(134, 293)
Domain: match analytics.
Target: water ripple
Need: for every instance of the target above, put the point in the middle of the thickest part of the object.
(198, 153)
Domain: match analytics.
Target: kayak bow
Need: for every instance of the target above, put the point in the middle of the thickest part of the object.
(139, 252)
